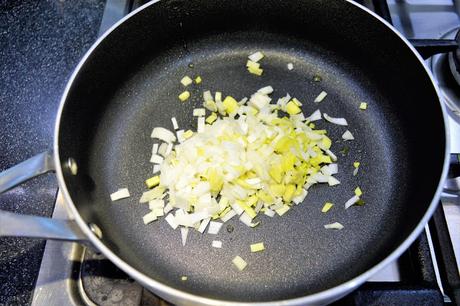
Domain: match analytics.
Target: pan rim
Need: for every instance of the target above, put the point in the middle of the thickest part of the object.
(180, 297)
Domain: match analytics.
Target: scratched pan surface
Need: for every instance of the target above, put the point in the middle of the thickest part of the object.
(130, 83)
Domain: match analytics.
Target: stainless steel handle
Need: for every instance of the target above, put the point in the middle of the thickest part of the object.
(17, 225)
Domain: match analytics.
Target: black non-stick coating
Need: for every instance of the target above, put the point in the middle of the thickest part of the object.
(130, 83)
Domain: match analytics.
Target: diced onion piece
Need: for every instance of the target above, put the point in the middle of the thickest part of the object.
(153, 194)
(290, 66)
(327, 206)
(299, 199)
(356, 164)
(201, 125)
(153, 181)
(335, 225)
(174, 122)
(186, 80)
(255, 57)
(347, 135)
(184, 96)
(184, 278)
(163, 134)
(314, 117)
(156, 168)
(156, 204)
(121, 193)
(184, 234)
(214, 227)
(338, 121)
(199, 112)
(211, 118)
(332, 155)
(281, 211)
(162, 149)
(358, 191)
(239, 263)
(256, 71)
(150, 217)
(207, 96)
(351, 201)
(198, 80)
(216, 244)
(355, 172)
(269, 212)
(169, 149)
(171, 221)
(247, 220)
(156, 159)
(292, 108)
(228, 216)
(320, 97)
(266, 90)
(155, 148)
(363, 105)
(332, 181)
(188, 134)
(237, 209)
(257, 247)
(180, 136)
(203, 225)
(168, 208)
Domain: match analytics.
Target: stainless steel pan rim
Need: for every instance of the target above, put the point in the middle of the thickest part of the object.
(180, 297)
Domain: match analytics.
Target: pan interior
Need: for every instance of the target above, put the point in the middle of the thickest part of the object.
(301, 257)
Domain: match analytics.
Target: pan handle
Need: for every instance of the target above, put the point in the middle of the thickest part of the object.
(452, 183)
(17, 225)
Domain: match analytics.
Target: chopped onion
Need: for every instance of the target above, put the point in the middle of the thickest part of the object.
(155, 148)
(239, 263)
(201, 125)
(247, 220)
(171, 221)
(180, 136)
(266, 90)
(214, 227)
(163, 134)
(156, 159)
(207, 96)
(150, 217)
(228, 216)
(186, 80)
(338, 121)
(157, 203)
(216, 244)
(255, 57)
(332, 181)
(121, 193)
(168, 208)
(347, 135)
(332, 155)
(320, 97)
(199, 112)
(203, 225)
(314, 117)
(327, 206)
(257, 247)
(174, 122)
(153, 194)
(269, 212)
(156, 168)
(351, 201)
(290, 66)
(335, 225)
(162, 149)
(184, 234)
(169, 149)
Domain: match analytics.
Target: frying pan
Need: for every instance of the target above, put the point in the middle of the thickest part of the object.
(128, 83)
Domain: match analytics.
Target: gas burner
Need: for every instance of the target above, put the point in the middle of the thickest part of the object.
(446, 72)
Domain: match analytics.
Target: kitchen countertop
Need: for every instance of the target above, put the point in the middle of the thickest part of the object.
(40, 44)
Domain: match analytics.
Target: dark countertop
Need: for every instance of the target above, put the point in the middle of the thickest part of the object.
(40, 44)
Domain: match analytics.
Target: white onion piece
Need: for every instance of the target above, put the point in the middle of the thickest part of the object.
(214, 227)
(335, 225)
(156, 159)
(247, 220)
(168, 208)
(156, 168)
(199, 112)
(228, 216)
(314, 117)
(180, 136)
(332, 181)
(269, 212)
(257, 56)
(207, 96)
(290, 66)
(163, 134)
(320, 97)
(171, 221)
(300, 198)
(338, 121)
(162, 149)
(266, 90)
(174, 123)
(121, 193)
(237, 208)
(184, 234)
(333, 168)
(355, 172)
(216, 244)
(203, 225)
(347, 135)
(201, 124)
(351, 201)
(155, 148)
(168, 149)
(157, 203)
(332, 155)
(150, 217)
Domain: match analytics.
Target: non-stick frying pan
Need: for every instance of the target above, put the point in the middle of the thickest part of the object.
(128, 84)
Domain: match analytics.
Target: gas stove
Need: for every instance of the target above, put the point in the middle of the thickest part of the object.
(426, 274)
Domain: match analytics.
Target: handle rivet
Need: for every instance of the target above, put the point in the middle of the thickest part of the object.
(72, 165)
(96, 230)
